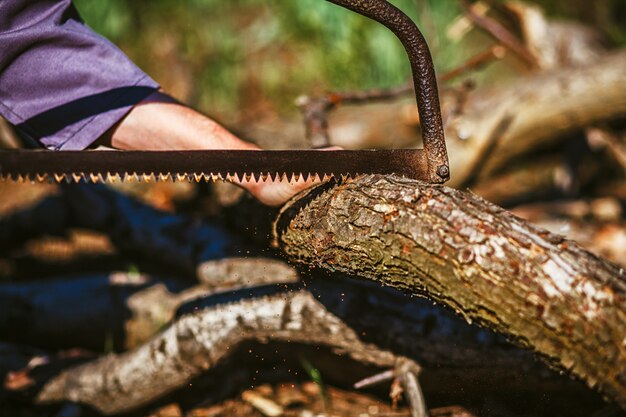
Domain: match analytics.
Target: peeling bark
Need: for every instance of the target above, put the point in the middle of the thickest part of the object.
(495, 123)
(455, 357)
(542, 291)
(542, 110)
(197, 342)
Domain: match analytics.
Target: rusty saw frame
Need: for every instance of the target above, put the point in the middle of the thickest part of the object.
(428, 164)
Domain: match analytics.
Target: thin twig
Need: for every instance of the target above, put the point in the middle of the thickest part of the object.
(496, 52)
(375, 379)
(407, 373)
(500, 33)
(315, 110)
(378, 94)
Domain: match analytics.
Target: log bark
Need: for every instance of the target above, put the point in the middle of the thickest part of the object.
(497, 123)
(197, 342)
(454, 356)
(542, 291)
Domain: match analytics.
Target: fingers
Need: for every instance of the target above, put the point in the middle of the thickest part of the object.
(273, 193)
(276, 193)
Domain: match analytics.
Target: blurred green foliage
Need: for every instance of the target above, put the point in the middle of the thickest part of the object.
(230, 57)
(236, 51)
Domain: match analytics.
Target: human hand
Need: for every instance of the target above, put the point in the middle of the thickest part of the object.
(161, 123)
(276, 193)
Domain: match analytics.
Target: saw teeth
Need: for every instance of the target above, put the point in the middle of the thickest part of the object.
(113, 177)
(248, 178)
(133, 177)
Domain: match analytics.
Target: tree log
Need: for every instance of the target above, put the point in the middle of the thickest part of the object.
(541, 110)
(130, 308)
(497, 123)
(182, 243)
(456, 358)
(197, 342)
(542, 291)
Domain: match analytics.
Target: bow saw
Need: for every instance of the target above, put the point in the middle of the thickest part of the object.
(427, 164)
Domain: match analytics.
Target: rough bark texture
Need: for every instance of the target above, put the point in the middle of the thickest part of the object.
(458, 360)
(491, 267)
(497, 126)
(493, 123)
(197, 342)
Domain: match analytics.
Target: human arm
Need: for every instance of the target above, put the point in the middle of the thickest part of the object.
(65, 86)
(161, 123)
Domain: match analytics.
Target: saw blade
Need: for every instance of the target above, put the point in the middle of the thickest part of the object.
(210, 165)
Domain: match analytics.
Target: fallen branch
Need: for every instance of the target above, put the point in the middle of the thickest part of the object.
(197, 342)
(454, 355)
(316, 111)
(541, 290)
(500, 33)
(542, 108)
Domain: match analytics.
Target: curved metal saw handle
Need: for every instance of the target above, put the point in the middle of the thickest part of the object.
(424, 78)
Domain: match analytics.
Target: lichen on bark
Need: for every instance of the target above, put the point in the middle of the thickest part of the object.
(541, 290)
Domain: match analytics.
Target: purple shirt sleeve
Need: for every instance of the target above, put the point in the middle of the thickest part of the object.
(60, 82)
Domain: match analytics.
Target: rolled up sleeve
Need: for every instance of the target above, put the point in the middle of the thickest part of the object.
(60, 82)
